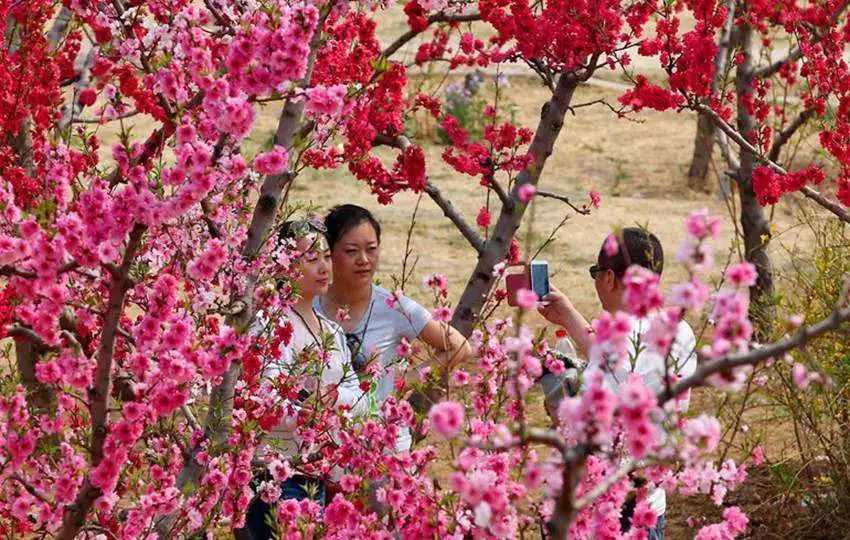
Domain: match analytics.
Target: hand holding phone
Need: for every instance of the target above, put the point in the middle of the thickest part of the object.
(533, 276)
(539, 273)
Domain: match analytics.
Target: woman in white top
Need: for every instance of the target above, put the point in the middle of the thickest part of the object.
(317, 356)
(373, 328)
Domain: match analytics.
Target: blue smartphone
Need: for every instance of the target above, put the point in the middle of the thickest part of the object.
(539, 271)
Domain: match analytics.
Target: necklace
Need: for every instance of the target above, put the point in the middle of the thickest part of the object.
(333, 301)
(307, 326)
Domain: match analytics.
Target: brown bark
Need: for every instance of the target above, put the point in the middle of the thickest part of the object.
(701, 158)
(99, 394)
(704, 141)
(510, 216)
(754, 224)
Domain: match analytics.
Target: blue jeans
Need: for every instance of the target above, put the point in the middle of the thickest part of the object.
(260, 514)
(658, 532)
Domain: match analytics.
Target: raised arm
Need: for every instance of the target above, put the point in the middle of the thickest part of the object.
(557, 309)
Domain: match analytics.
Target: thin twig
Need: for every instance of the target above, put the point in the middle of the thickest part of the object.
(103, 120)
(564, 199)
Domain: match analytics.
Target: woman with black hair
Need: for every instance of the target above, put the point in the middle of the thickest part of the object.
(318, 355)
(373, 328)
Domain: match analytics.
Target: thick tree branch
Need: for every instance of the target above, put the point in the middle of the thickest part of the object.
(785, 135)
(497, 245)
(402, 142)
(99, 394)
(774, 350)
(83, 81)
(603, 487)
(33, 338)
(60, 24)
(565, 507)
(452, 213)
(403, 39)
(808, 191)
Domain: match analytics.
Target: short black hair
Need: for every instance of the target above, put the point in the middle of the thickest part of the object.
(634, 246)
(344, 217)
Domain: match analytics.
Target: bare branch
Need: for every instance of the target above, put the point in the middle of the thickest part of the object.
(29, 334)
(564, 199)
(437, 18)
(190, 418)
(7, 270)
(402, 143)
(548, 437)
(730, 159)
(93, 120)
(452, 213)
(808, 191)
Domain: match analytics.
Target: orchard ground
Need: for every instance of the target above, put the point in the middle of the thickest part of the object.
(638, 165)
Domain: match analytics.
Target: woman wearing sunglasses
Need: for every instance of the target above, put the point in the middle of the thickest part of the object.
(318, 358)
(373, 328)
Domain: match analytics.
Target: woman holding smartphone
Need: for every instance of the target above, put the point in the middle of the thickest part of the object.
(373, 328)
(318, 356)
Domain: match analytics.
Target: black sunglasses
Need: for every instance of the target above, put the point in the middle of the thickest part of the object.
(355, 345)
(595, 270)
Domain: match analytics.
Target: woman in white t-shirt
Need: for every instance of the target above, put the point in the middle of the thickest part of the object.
(318, 356)
(372, 327)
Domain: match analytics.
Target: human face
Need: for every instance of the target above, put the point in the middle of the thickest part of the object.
(607, 287)
(356, 255)
(315, 266)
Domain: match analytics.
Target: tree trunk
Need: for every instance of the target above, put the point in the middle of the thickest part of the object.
(496, 247)
(704, 141)
(40, 398)
(753, 221)
(701, 159)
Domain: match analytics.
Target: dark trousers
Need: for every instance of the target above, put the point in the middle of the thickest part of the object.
(260, 514)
